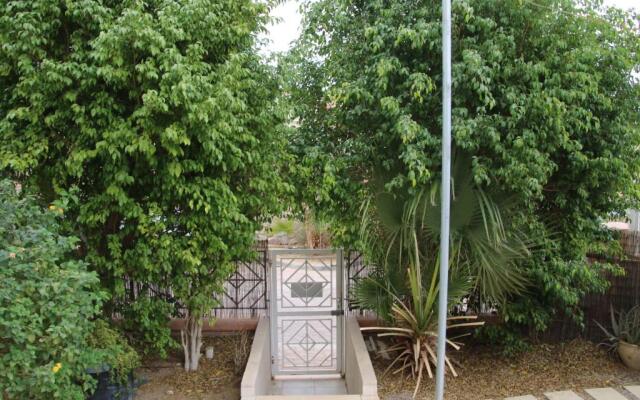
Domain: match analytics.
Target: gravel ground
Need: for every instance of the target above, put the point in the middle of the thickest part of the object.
(483, 374)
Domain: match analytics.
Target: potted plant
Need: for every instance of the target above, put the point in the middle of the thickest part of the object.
(115, 363)
(624, 336)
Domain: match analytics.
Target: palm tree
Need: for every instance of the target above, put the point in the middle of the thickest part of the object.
(403, 229)
(401, 233)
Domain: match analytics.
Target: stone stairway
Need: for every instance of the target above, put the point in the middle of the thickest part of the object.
(629, 393)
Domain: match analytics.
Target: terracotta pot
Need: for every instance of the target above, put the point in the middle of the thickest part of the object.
(630, 355)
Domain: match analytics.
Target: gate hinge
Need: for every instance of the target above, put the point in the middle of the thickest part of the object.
(337, 312)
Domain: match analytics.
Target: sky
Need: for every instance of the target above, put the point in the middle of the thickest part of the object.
(287, 30)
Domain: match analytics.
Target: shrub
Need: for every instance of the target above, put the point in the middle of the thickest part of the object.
(415, 328)
(46, 303)
(146, 322)
(165, 119)
(282, 225)
(113, 350)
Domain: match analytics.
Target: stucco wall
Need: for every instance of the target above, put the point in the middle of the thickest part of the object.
(359, 374)
(256, 380)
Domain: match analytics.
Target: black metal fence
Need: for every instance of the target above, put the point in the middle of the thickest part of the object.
(356, 269)
(623, 293)
(246, 291)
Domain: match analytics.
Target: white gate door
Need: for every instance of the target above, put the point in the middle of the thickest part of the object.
(306, 312)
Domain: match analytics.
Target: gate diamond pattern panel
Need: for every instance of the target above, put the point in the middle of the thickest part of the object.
(305, 310)
(306, 283)
(307, 343)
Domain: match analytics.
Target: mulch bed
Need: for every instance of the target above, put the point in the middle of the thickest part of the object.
(218, 378)
(483, 374)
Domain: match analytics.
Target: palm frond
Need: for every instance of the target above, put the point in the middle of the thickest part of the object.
(415, 327)
(401, 234)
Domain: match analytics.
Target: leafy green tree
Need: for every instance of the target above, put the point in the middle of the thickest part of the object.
(544, 98)
(166, 121)
(47, 301)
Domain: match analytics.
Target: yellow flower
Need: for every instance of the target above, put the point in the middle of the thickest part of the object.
(56, 367)
(12, 255)
(56, 209)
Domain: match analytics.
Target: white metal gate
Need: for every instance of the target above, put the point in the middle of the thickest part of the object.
(306, 311)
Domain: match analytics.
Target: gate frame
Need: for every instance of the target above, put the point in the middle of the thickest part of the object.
(339, 311)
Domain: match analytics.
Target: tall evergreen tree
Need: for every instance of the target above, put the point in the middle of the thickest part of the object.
(163, 118)
(545, 98)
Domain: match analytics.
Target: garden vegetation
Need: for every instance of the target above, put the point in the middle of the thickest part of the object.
(545, 100)
(161, 123)
(47, 300)
(151, 143)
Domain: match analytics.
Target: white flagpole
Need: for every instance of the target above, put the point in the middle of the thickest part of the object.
(446, 197)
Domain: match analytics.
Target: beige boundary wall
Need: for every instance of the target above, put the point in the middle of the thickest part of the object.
(256, 380)
(359, 373)
(360, 377)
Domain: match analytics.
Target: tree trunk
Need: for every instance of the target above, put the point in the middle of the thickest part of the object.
(308, 226)
(191, 337)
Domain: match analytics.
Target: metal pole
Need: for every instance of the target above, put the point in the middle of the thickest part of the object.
(446, 197)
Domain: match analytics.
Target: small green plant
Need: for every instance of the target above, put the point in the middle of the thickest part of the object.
(625, 327)
(114, 351)
(510, 342)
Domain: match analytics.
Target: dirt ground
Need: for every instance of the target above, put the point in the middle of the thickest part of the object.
(483, 374)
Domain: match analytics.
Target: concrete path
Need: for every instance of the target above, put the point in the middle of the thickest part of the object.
(628, 393)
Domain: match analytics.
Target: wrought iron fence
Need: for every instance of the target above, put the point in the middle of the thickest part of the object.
(246, 288)
(357, 270)
(245, 292)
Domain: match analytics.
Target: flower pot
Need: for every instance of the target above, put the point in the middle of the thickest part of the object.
(630, 355)
(209, 352)
(108, 390)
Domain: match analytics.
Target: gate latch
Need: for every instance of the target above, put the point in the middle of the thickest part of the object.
(337, 312)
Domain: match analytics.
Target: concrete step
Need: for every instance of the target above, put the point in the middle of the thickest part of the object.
(312, 397)
(605, 394)
(593, 394)
(563, 395)
(634, 390)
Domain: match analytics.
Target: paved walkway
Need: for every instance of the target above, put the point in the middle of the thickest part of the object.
(629, 393)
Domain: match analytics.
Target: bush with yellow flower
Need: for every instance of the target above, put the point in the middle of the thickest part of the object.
(47, 302)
